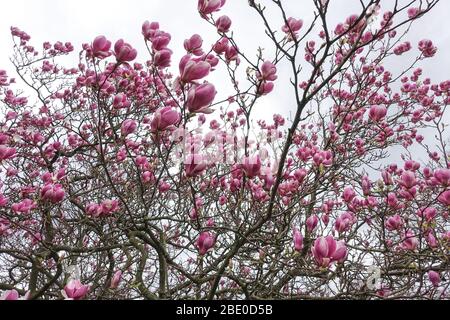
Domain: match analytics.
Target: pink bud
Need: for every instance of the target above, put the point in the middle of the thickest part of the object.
(265, 88)
(298, 240)
(10, 295)
(344, 222)
(349, 194)
(194, 165)
(6, 153)
(443, 176)
(251, 166)
(116, 279)
(223, 24)
(311, 223)
(444, 198)
(162, 58)
(75, 290)
(377, 113)
(191, 70)
(394, 223)
(221, 46)
(164, 118)
(408, 179)
(434, 277)
(205, 242)
(128, 127)
(200, 97)
(52, 192)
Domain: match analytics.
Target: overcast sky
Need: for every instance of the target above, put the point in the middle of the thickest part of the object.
(81, 20)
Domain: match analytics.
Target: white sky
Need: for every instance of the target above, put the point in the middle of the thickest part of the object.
(80, 21)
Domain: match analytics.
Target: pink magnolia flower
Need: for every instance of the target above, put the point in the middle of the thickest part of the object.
(429, 213)
(10, 295)
(377, 113)
(149, 29)
(408, 179)
(344, 222)
(298, 240)
(191, 70)
(75, 290)
(205, 242)
(410, 242)
(394, 223)
(25, 206)
(6, 152)
(221, 46)
(292, 27)
(327, 250)
(434, 277)
(162, 58)
(200, 97)
(251, 166)
(265, 88)
(129, 126)
(160, 40)
(52, 192)
(121, 101)
(109, 206)
(431, 240)
(101, 47)
(164, 118)
(95, 210)
(311, 223)
(223, 24)
(387, 178)
(443, 176)
(206, 7)
(413, 12)
(124, 52)
(3, 200)
(444, 198)
(427, 48)
(194, 45)
(116, 279)
(349, 194)
(268, 72)
(194, 165)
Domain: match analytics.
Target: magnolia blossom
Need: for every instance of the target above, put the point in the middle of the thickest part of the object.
(327, 250)
(194, 165)
(164, 118)
(434, 277)
(10, 295)
(251, 166)
(191, 70)
(75, 290)
(205, 242)
(116, 279)
(200, 97)
(101, 47)
(124, 52)
(298, 240)
(223, 24)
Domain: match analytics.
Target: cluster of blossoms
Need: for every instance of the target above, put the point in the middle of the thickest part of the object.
(299, 210)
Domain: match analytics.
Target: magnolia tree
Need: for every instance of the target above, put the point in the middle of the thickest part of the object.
(136, 180)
